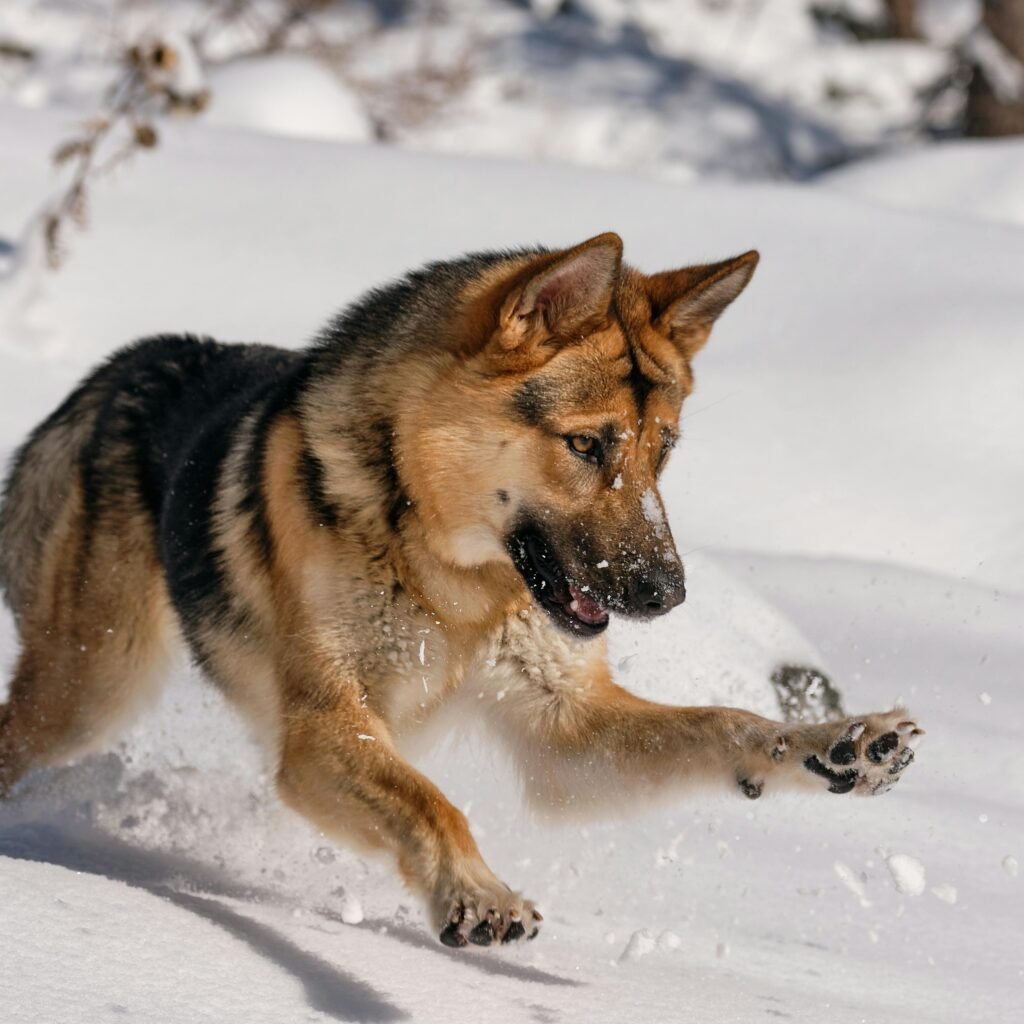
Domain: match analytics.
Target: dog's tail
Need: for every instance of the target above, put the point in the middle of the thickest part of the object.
(42, 474)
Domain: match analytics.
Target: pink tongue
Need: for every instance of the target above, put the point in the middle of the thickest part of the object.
(585, 608)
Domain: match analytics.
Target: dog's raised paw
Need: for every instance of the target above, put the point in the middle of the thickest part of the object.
(485, 917)
(866, 755)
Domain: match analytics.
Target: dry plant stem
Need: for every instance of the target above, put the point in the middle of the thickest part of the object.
(144, 88)
(71, 204)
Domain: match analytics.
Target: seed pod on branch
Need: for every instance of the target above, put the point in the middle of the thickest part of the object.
(145, 135)
(163, 56)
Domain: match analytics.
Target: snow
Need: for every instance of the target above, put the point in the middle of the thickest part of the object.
(641, 943)
(286, 95)
(907, 873)
(352, 911)
(848, 877)
(651, 509)
(847, 495)
(732, 88)
(962, 178)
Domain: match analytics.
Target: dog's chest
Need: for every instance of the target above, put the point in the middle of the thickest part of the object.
(416, 670)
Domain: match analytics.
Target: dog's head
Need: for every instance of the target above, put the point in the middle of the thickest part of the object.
(548, 439)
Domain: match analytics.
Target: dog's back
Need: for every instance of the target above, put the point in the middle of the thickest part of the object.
(121, 436)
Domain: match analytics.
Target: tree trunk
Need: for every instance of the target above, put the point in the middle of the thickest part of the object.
(988, 112)
(902, 18)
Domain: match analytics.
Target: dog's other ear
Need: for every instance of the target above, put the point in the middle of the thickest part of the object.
(566, 296)
(685, 303)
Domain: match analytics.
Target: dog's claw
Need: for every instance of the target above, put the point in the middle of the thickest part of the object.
(751, 790)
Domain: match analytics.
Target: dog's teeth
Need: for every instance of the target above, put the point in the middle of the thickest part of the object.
(574, 606)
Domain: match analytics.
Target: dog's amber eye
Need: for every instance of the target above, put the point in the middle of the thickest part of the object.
(585, 447)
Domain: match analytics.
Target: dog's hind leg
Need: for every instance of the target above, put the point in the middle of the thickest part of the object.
(94, 639)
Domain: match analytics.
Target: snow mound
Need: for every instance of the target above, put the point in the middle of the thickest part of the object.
(976, 178)
(907, 873)
(720, 647)
(641, 943)
(286, 95)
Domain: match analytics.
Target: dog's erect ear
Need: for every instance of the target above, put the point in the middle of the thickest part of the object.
(566, 296)
(685, 303)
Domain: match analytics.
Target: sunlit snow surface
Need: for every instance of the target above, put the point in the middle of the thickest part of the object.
(858, 411)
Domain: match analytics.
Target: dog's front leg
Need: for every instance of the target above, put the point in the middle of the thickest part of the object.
(584, 740)
(339, 768)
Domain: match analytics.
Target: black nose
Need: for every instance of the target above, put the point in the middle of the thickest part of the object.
(656, 595)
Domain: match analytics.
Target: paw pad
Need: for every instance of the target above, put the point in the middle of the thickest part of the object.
(880, 749)
(839, 782)
(868, 755)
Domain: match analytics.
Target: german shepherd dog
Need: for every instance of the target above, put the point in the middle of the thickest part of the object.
(456, 484)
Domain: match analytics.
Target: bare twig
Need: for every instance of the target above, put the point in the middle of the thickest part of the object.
(14, 50)
(145, 87)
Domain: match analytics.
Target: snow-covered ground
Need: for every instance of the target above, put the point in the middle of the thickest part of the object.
(850, 491)
(675, 88)
(964, 179)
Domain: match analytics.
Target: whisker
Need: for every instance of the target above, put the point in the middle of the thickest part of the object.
(704, 408)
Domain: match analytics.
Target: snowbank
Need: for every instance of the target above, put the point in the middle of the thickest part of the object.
(286, 95)
(973, 179)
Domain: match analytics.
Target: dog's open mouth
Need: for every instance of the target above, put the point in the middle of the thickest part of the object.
(568, 604)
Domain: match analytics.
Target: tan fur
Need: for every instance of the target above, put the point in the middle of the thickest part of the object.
(97, 635)
(354, 636)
